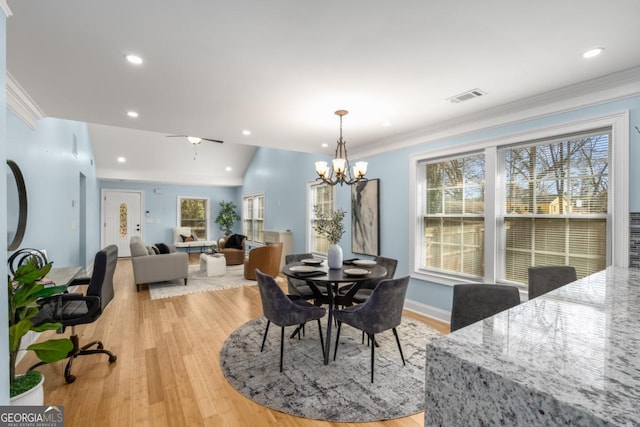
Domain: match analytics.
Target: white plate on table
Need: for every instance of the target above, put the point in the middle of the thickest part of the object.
(356, 272)
(312, 261)
(302, 269)
(364, 262)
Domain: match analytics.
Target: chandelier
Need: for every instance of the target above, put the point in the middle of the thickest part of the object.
(340, 173)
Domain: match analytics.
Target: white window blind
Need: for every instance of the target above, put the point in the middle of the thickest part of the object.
(453, 215)
(556, 204)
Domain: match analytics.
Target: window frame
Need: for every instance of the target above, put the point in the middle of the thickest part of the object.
(618, 203)
(207, 212)
(254, 197)
(310, 233)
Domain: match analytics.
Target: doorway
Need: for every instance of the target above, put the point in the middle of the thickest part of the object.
(121, 218)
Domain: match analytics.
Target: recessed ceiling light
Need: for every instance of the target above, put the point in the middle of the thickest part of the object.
(121, 160)
(593, 52)
(386, 123)
(228, 168)
(132, 114)
(325, 145)
(134, 59)
(246, 132)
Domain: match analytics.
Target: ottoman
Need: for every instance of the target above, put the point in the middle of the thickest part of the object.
(214, 265)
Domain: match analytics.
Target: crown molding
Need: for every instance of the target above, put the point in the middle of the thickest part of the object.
(609, 88)
(20, 103)
(5, 8)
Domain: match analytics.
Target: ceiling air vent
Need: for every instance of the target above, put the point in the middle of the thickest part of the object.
(465, 96)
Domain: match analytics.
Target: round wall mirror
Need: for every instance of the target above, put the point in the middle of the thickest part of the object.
(16, 206)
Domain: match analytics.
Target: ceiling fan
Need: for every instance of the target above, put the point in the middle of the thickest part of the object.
(195, 140)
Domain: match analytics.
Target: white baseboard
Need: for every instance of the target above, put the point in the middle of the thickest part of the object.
(428, 311)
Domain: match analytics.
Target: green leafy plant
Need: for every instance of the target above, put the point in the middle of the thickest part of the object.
(329, 224)
(227, 217)
(24, 290)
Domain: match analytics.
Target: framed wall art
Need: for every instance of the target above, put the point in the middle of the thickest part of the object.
(365, 217)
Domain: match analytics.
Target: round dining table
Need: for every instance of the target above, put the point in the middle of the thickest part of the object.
(322, 277)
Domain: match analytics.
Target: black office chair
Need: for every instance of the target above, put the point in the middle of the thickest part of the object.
(474, 302)
(283, 311)
(544, 279)
(73, 309)
(382, 311)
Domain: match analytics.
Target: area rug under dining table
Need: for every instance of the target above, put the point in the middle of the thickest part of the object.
(340, 391)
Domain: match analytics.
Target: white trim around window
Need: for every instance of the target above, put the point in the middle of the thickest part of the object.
(618, 204)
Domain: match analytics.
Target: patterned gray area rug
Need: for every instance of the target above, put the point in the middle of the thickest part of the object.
(199, 282)
(340, 391)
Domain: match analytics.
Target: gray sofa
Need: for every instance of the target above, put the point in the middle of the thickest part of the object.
(149, 267)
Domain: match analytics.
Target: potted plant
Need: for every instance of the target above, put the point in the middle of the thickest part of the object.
(24, 289)
(329, 225)
(227, 217)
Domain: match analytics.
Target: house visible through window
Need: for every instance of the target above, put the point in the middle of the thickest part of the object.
(489, 213)
(253, 217)
(321, 195)
(194, 213)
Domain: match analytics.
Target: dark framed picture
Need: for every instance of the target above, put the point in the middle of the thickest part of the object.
(365, 217)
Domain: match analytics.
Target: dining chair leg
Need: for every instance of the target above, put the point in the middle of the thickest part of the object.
(373, 354)
(321, 339)
(399, 346)
(335, 350)
(281, 346)
(264, 338)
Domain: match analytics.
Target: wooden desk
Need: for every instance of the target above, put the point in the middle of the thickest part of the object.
(330, 281)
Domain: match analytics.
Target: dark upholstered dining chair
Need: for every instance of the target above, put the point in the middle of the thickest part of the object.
(474, 302)
(365, 290)
(382, 311)
(298, 287)
(279, 309)
(543, 279)
(73, 309)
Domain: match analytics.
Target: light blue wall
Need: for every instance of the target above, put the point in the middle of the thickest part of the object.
(4, 326)
(283, 177)
(162, 206)
(52, 175)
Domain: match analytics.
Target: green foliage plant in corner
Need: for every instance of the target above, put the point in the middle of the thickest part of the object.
(227, 217)
(24, 290)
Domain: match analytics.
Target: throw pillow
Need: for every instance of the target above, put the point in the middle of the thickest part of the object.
(186, 238)
(164, 249)
(235, 241)
(156, 249)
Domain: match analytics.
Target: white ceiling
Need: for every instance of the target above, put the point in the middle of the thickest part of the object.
(282, 67)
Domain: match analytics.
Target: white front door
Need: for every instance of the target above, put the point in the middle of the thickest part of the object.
(121, 218)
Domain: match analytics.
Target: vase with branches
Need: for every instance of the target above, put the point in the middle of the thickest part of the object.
(329, 225)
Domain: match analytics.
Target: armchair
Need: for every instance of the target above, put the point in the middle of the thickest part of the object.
(152, 268)
(265, 258)
(233, 256)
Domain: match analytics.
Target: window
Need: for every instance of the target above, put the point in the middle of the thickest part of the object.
(488, 211)
(253, 214)
(193, 212)
(556, 204)
(322, 195)
(453, 215)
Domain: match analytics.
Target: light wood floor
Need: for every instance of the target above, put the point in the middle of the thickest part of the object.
(167, 372)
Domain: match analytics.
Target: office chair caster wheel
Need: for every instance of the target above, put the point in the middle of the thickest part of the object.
(113, 359)
(69, 379)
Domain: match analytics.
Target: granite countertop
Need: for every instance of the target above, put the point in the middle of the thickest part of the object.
(571, 356)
